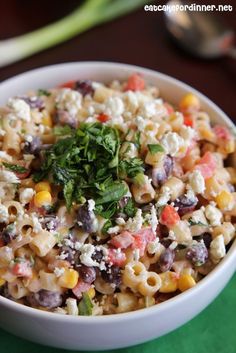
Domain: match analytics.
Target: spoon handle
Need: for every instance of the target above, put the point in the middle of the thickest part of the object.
(232, 52)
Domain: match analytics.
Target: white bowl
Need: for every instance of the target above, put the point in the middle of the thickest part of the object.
(120, 330)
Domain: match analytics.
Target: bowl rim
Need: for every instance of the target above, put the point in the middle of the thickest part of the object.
(229, 259)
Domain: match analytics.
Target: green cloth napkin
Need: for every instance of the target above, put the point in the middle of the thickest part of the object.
(212, 331)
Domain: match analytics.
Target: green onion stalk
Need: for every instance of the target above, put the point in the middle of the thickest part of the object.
(90, 14)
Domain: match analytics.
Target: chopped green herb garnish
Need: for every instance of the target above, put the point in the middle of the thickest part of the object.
(154, 148)
(62, 130)
(130, 167)
(194, 223)
(137, 142)
(43, 92)
(106, 226)
(15, 168)
(130, 208)
(85, 163)
(85, 305)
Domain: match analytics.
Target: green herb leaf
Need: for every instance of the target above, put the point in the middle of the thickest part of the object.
(43, 92)
(112, 193)
(130, 168)
(137, 141)
(62, 130)
(85, 305)
(68, 193)
(106, 226)
(154, 148)
(15, 168)
(130, 208)
(193, 223)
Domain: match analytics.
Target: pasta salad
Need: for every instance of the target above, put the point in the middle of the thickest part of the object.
(111, 198)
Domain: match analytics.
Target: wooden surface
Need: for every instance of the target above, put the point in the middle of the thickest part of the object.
(138, 38)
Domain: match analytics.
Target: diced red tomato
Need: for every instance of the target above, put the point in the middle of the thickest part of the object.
(188, 120)
(23, 175)
(142, 238)
(206, 165)
(103, 118)
(222, 132)
(135, 83)
(80, 288)
(122, 240)
(169, 216)
(68, 84)
(169, 108)
(116, 257)
(22, 269)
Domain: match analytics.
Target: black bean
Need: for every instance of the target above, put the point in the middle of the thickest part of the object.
(34, 102)
(97, 255)
(87, 274)
(86, 219)
(65, 118)
(45, 298)
(84, 87)
(185, 205)
(112, 275)
(165, 242)
(168, 165)
(33, 147)
(8, 234)
(207, 238)
(197, 254)
(162, 231)
(166, 260)
(158, 176)
(69, 252)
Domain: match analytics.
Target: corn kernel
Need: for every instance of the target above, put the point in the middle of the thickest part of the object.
(91, 293)
(42, 186)
(225, 200)
(47, 120)
(42, 198)
(68, 279)
(2, 282)
(169, 282)
(189, 103)
(186, 282)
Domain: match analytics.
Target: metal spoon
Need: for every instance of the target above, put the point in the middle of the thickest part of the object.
(200, 33)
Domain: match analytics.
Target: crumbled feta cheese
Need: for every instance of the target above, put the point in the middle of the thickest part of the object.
(149, 109)
(120, 221)
(135, 224)
(69, 243)
(171, 235)
(141, 123)
(214, 215)
(113, 230)
(69, 100)
(28, 138)
(172, 142)
(5, 156)
(153, 246)
(87, 250)
(217, 248)
(131, 100)
(114, 106)
(36, 224)
(72, 306)
(9, 177)
(21, 110)
(4, 216)
(187, 133)
(91, 205)
(151, 218)
(197, 182)
(77, 245)
(26, 195)
(62, 256)
(164, 196)
(190, 195)
(59, 271)
(7, 191)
